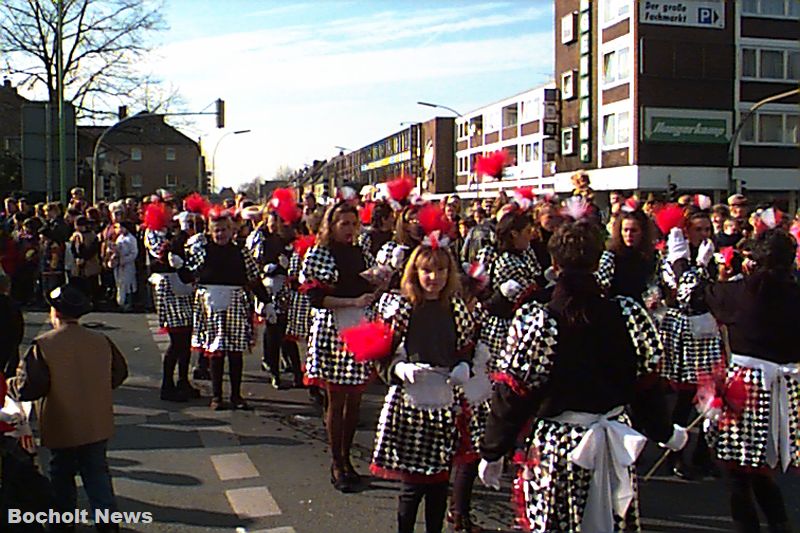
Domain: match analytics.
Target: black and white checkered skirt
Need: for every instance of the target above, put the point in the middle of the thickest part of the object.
(412, 444)
(174, 311)
(328, 364)
(742, 439)
(555, 495)
(684, 355)
(471, 422)
(494, 333)
(230, 330)
(298, 316)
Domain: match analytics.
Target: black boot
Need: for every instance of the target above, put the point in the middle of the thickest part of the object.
(186, 388)
(174, 394)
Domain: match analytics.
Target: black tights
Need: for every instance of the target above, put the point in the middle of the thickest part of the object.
(235, 364)
(744, 486)
(178, 353)
(411, 495)
(341, 419)
(275, 341)
(463, 480)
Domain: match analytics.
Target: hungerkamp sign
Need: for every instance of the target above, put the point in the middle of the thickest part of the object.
(686, 126)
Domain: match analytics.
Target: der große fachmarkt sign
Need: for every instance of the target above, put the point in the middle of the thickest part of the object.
(694, 13)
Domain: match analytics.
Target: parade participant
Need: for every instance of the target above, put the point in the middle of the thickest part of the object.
(125, 252)
(71, 371)
(221, 326)
(575, 366)
(339, 295)
(760, 434)
(394, 254)
(692, 341)
(629, 265)
(417, 435)
(381, 227)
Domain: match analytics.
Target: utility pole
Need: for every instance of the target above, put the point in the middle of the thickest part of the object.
(62, 126)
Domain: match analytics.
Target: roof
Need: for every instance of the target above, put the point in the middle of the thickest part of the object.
(140, 130)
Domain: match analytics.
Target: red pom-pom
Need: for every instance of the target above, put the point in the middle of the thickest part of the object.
(303, 244)
(727, 255)
(218, 212)
(432, 218)
(492, 164)
(365, 213)
(368, 341)
(399, 188)
(736, 394)
(195, 203)
(284, 203)
(157, 216)
(668, 217)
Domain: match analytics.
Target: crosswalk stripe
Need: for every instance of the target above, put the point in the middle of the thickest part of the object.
(252, 502)
(234, 466)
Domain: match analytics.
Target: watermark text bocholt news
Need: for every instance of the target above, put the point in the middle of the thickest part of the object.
(78, 516)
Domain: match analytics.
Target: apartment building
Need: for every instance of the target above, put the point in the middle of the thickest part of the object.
(652, 93)
(525, 126)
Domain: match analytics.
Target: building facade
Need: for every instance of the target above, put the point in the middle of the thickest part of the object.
(652, 93)
(525, 126)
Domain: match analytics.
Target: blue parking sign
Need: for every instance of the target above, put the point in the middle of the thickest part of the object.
(706, 15)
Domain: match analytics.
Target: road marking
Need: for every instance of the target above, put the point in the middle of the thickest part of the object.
(273, 530)
(234, 466)
(252, 502)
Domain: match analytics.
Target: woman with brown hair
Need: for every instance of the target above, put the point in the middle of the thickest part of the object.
(339, 295)
(417, 435)
(395, 253)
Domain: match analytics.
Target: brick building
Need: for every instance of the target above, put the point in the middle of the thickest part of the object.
(651, 93)
(10, 137)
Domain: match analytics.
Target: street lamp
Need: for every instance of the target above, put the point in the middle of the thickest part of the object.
(428, 104)
(214, 157)
(738, 130)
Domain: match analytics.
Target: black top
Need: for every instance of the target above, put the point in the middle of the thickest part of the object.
(377, 239)
(431, 335)
(274, 246)
(540, 249)
(632, 274)
(350, 263)
(224, 265)
(761, 315)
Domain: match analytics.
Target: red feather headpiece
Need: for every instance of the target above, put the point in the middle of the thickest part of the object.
(303, 244)
(400, 187)
(702, 201)
(768, 219)
(368, 341)
(156, 216)
(195, 203)
(365, 213)
(727, 254)
(218, 212)
(524, 197)
(668, 217)
(492, 164)
(432, 218)
(284, 203)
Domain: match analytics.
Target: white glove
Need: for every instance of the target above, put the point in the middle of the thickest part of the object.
(270, 268)
(269, 314)
(407, 371)
(482, 355)
(398, 256)
(678, 439)
(460, 373)
(677, 246)
(174, 260)
(511, 289)
(705, 253)
(490, 473)
(13, 419)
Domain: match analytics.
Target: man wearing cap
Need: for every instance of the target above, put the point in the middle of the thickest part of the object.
(70, 373)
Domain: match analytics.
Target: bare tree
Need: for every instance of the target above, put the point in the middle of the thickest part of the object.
(103, 41)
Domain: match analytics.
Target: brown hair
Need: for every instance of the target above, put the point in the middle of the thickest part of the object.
(428, 256)
(331, 216)
(646, 246)
(576, 249)
(401, 233)
(514, 220)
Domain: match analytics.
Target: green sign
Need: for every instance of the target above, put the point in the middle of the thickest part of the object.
(686, 130)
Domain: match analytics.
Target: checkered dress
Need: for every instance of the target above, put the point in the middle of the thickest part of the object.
(686, 356)
(419, 445)
(229, 330)
(387, 251)
(256, 244)
(556, 490)
(605, 270)
(299, 314)
(522, 268)
(173, 311)
(327, 362)
(742, 439)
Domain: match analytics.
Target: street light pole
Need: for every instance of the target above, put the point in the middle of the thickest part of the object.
(429, 104)
(738, 130)
(62, 126)
(214, 157)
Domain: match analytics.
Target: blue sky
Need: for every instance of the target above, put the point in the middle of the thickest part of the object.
(308, 76)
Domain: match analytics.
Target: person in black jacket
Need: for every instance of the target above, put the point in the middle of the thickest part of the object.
(583, 367)
(12, 331)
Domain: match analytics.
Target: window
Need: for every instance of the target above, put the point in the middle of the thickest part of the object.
(615, 67)
(568, 85)
(770, 64)
(616, 130)
(567, 146)
(536, 152)
(136, 154)
(792, 129)
(771, 8)
(771, 127)
(615, 10)
(172, 181)
(527, 153)
(136, 181)
(568, 28)
(170, 153)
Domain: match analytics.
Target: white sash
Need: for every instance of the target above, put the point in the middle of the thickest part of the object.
(775, 375)
(430, 390)
(178, 287)
(608, 448)
(703, 326)
(218, 297)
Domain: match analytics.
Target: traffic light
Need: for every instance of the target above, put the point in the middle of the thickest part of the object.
(220, 113)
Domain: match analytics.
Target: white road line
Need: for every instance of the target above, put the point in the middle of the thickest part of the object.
(273, 530)
(234, 466)
(252, 502)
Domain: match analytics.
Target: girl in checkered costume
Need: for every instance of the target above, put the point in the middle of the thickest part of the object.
(692, 342)
(760, 313)
(417, 437)
(339, 296)
(222, 325)
(576, 367)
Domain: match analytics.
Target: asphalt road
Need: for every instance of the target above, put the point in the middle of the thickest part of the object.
(196, 470)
